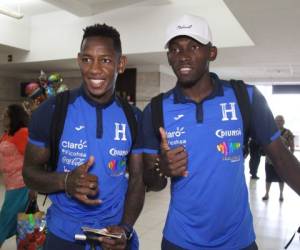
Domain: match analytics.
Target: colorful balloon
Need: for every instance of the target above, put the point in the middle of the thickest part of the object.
(54, 78)
(62, 88)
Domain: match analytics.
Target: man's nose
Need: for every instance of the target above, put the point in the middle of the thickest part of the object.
(96, 67)
(184, 55)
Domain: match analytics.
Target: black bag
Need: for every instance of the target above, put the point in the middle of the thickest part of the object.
(32, 207)
(31, 228)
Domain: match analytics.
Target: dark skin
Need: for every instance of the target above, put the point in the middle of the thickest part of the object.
(189, 60)
(100, 64)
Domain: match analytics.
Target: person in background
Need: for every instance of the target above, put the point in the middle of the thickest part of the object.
(287, 138)
(12, 148)
(89, 186)
(209, 206)
(255, 153)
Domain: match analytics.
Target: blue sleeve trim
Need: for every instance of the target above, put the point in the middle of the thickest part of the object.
(275, 136)
(137, 151)
(40, 121)
(263, 127)
(139, 138)
(150, 139)
(37, 143)
(150, 151)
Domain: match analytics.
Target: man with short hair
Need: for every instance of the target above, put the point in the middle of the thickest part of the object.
(209, 207)
(89, 187)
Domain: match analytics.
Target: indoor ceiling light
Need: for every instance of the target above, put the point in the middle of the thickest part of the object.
(10, 13)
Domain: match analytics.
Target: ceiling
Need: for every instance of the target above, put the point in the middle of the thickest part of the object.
(272, 25)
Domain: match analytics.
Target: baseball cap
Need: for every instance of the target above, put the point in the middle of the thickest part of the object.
(189, 25)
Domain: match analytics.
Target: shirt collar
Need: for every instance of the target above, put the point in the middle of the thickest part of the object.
(94, 103)
(179, 97)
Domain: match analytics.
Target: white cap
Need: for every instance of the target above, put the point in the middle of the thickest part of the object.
(191, 26)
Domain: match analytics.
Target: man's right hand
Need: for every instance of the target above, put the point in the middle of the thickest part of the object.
(82, 185)
(173, 162)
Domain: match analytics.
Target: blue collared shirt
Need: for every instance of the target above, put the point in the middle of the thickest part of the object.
(90, 129)
(209, 208)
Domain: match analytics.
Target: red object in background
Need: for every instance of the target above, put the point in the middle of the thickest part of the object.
(31, 88)
(33, 241)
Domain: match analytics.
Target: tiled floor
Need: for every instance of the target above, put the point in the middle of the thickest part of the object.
(274, 222)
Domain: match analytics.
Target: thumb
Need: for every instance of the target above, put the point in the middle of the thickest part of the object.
(88, 164)
(164, 145)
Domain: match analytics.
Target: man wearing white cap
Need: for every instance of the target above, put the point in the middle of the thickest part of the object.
(200, 148)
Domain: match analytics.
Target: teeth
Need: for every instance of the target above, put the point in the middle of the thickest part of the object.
(185, 70)
(96, 81)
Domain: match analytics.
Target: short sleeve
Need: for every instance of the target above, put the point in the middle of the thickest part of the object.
(137, 148)
(150, 140)
(40, 123)
(263, 127)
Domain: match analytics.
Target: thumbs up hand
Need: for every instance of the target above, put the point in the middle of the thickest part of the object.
(173, 162)
(82, 185)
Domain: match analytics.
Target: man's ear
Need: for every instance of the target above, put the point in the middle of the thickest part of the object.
(122, 64)
(213, 52)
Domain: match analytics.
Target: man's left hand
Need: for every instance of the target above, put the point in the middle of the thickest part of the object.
(113, 243)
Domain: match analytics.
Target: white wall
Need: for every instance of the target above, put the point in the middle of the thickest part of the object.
(284, 104)
(15, 33)
(57, 35)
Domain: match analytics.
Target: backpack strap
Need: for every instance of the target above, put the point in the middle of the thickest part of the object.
(157, 113)
(242, 96)
(132, 122)
(241, 93)
(57, 127)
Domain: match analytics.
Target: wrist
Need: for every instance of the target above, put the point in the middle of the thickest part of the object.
(128, 229)
(67, 175)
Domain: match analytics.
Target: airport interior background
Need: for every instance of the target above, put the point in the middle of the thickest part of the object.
(258, 41)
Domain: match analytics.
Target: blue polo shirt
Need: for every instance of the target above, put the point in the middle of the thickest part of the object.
(209, 208)
(90, 129)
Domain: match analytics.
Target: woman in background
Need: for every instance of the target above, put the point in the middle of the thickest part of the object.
(271, 176)
(12, 147)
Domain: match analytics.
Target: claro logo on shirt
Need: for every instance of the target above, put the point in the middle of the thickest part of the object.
(72, 145)
(176, 138)
(177, 133)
